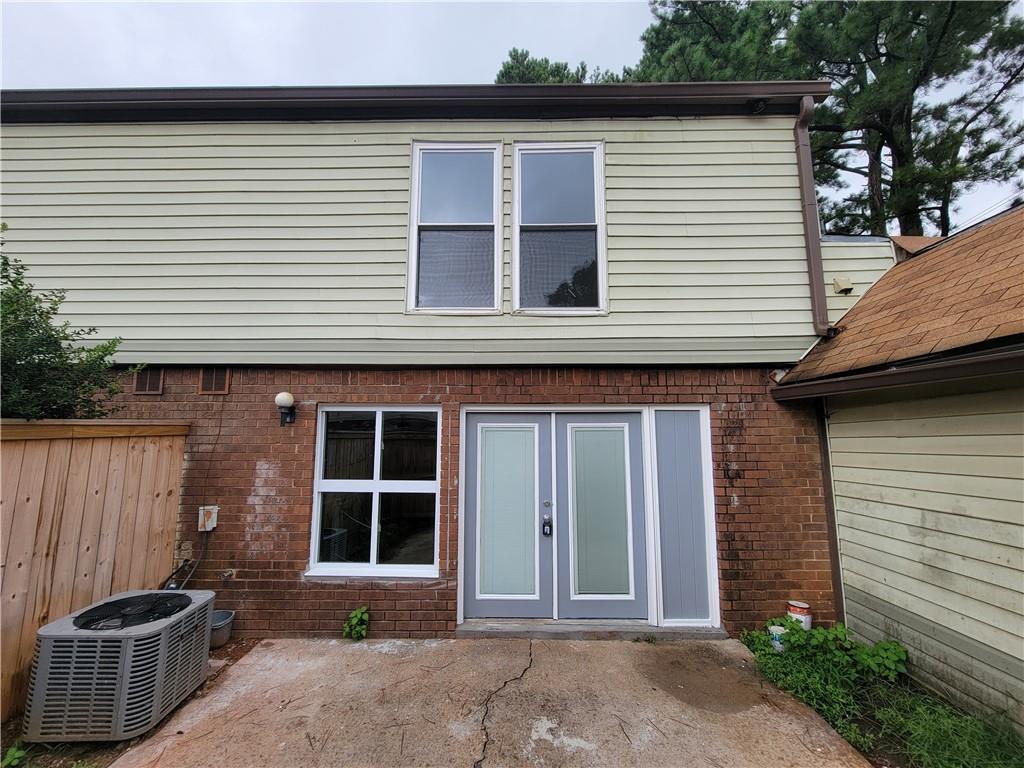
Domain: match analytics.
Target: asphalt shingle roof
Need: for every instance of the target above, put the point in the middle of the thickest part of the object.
(964, 290)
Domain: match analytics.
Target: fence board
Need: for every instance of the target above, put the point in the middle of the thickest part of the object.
(126, 530)
(88, 509)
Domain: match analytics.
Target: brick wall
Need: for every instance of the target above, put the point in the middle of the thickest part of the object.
(770, 512)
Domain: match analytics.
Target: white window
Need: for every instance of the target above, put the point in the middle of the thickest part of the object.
(455, 229)
(376, 509)
(558, 240)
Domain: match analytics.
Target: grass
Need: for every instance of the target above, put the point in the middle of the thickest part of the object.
(863, 692)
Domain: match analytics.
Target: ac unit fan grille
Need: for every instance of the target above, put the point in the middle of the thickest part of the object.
(81, 692)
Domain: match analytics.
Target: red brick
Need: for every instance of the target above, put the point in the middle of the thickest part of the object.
(770, 513)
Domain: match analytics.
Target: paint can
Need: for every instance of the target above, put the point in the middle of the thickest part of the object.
(775, 634)
(800, 611)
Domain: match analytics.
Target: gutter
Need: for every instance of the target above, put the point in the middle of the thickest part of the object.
(409, 102)
(809, 208)
(1005, 361)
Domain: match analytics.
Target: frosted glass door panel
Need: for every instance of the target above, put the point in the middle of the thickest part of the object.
(600, 512)
(508, 511)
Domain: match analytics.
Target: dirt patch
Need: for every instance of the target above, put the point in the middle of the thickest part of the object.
(702, 676)
(100, 754)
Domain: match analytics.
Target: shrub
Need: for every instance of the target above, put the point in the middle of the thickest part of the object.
(47, 371)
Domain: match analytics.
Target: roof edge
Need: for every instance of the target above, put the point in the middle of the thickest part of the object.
(780, 97)
(988, 362)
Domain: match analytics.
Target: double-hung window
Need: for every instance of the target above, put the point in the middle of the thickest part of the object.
(558, 262)
(455, 237)
(376, 487)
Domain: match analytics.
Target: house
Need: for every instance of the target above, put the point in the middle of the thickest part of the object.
(922, 389)
(530, 333)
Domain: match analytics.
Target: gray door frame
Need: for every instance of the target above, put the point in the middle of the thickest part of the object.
(655, 615)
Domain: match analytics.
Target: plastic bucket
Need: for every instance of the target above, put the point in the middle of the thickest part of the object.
(800, 611)
(775, 633)
(221, 632)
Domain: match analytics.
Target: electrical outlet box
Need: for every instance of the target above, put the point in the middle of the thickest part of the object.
(208, 517)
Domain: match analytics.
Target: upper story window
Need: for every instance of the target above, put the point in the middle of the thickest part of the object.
(558, 259)
(455, 242)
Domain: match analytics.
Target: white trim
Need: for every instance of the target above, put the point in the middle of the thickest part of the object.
(412, 271)
(553, 491)
(596, 148)
(374, 486)
(571, 430)
(501, 426)
(711, 534)
(651, 521)
(459, 473)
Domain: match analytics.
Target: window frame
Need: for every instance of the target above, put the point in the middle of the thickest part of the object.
(418, 148)
(596, 148)
(148, 370)
(227, 380)
(375, 486)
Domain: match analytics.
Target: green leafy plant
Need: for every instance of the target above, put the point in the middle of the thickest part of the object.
(358, 624)
(862, 690)
(13, 756)
(49, 371)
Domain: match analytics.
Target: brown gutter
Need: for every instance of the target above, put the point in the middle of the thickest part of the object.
(1006, 361)
(809, 207)
(409, 102)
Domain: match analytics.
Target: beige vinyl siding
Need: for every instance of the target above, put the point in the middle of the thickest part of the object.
(929, 496)
(863, 261)
(288, 242)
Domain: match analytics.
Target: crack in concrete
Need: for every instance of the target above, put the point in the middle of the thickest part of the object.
(487, 708)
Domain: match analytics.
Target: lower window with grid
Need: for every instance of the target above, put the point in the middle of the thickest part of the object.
(377, 483)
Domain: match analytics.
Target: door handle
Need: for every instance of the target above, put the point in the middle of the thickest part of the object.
(546, 526)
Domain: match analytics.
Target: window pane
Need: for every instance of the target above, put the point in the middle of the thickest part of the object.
(409, 446)
(600, 523)
(348, 450)
(345, 524)
(457, 187)
(456, 269)
(406, 529)
(508, 511)
(558, 268)
(557, 187)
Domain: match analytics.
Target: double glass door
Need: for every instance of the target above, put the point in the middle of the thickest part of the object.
(554, 506)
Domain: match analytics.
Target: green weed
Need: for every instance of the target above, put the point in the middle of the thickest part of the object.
(863, 692)
(358, 624)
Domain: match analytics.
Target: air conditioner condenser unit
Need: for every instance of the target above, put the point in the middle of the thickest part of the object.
(115, 669)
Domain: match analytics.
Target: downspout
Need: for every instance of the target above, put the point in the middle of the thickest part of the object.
(838, 593)
(809, 208)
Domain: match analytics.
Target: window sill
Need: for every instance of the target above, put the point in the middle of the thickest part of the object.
(462, 312)
(329, 571)
(561, 312)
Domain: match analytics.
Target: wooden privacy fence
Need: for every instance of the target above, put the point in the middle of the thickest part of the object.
(88, 509)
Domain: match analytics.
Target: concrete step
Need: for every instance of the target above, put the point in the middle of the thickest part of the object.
(577, 629)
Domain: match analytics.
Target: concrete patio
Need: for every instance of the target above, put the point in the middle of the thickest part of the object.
(493, 703)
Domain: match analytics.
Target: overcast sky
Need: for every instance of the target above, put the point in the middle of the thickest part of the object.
(147, 44)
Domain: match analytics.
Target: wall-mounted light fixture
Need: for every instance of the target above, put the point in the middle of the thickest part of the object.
(285, 402)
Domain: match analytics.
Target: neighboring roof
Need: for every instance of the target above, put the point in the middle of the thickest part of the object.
(779, 97)
(911, 244)
(964, 291)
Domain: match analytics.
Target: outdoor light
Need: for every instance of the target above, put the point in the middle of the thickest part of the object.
(285, 402)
